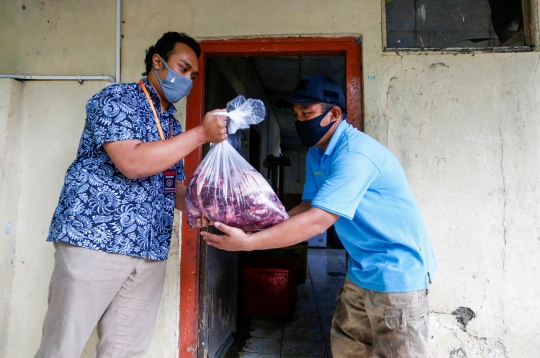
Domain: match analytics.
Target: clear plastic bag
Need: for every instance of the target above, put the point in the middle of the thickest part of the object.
(243, 112)
(226, 188)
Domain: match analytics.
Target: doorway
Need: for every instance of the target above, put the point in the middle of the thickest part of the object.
(195, 277)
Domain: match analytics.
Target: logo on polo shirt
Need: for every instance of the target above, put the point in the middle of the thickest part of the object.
(317, 173)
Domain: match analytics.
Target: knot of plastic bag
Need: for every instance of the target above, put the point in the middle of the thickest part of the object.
(243, 112)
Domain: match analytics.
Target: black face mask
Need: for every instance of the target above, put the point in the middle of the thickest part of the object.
(310, 131)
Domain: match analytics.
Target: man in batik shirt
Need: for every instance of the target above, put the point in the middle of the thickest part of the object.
(113, 223)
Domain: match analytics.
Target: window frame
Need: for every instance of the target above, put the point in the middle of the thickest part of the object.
(530, 28)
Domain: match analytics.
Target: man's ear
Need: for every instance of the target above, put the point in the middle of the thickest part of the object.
(336, 113)
(157, 61)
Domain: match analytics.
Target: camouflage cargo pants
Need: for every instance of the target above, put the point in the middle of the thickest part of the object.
(376, 324)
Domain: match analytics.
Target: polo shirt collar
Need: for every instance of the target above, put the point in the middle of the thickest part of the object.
(335, 137)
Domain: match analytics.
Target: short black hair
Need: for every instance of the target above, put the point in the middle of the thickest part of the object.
(165, 47)
(325, 106)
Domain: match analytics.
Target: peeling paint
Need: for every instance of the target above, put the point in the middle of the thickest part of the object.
(422, 12)
(463, 316)
(458, 343)
(458, 353)
(434, 66)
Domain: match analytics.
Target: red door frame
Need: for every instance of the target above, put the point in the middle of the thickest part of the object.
(254, 47)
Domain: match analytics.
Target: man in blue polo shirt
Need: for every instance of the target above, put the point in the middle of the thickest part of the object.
(356, 184)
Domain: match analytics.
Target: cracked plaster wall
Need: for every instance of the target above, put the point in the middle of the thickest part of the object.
(10, 165)
(465, 128)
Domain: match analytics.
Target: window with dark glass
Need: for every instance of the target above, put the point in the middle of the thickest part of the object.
(440, 24)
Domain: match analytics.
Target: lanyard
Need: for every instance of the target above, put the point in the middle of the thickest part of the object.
(158, 125)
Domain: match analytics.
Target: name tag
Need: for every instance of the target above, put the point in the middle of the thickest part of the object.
(169, 181)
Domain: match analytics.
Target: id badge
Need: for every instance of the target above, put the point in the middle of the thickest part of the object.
(169, 181)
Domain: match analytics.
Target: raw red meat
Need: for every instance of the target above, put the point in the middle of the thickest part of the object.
(238, 197)
(226, 188)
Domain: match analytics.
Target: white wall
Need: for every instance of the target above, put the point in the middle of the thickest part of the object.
(464, 126)
(10, 168)
(465, 130)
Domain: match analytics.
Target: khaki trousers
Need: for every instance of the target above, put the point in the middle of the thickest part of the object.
(119, 293)
(376, 324)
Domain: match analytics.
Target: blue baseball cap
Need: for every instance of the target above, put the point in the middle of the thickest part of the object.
(314, 89)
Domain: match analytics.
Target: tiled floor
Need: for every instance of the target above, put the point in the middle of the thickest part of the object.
(307, 334)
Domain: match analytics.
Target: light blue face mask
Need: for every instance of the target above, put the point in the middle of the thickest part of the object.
(174, 86)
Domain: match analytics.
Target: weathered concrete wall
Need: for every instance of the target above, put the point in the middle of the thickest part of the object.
(469, 150)
(10, 168)
(52, 125)
(465, 128)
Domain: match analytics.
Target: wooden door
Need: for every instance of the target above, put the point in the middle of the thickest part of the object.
(218, 275)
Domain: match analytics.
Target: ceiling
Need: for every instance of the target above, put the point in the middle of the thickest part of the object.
(279, 76)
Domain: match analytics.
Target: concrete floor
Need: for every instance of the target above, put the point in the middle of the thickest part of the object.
(308, 333)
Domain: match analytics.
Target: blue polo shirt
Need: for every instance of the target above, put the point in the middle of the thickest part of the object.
(380, 226)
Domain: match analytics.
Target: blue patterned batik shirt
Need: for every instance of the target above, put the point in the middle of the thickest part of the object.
(100, 208)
